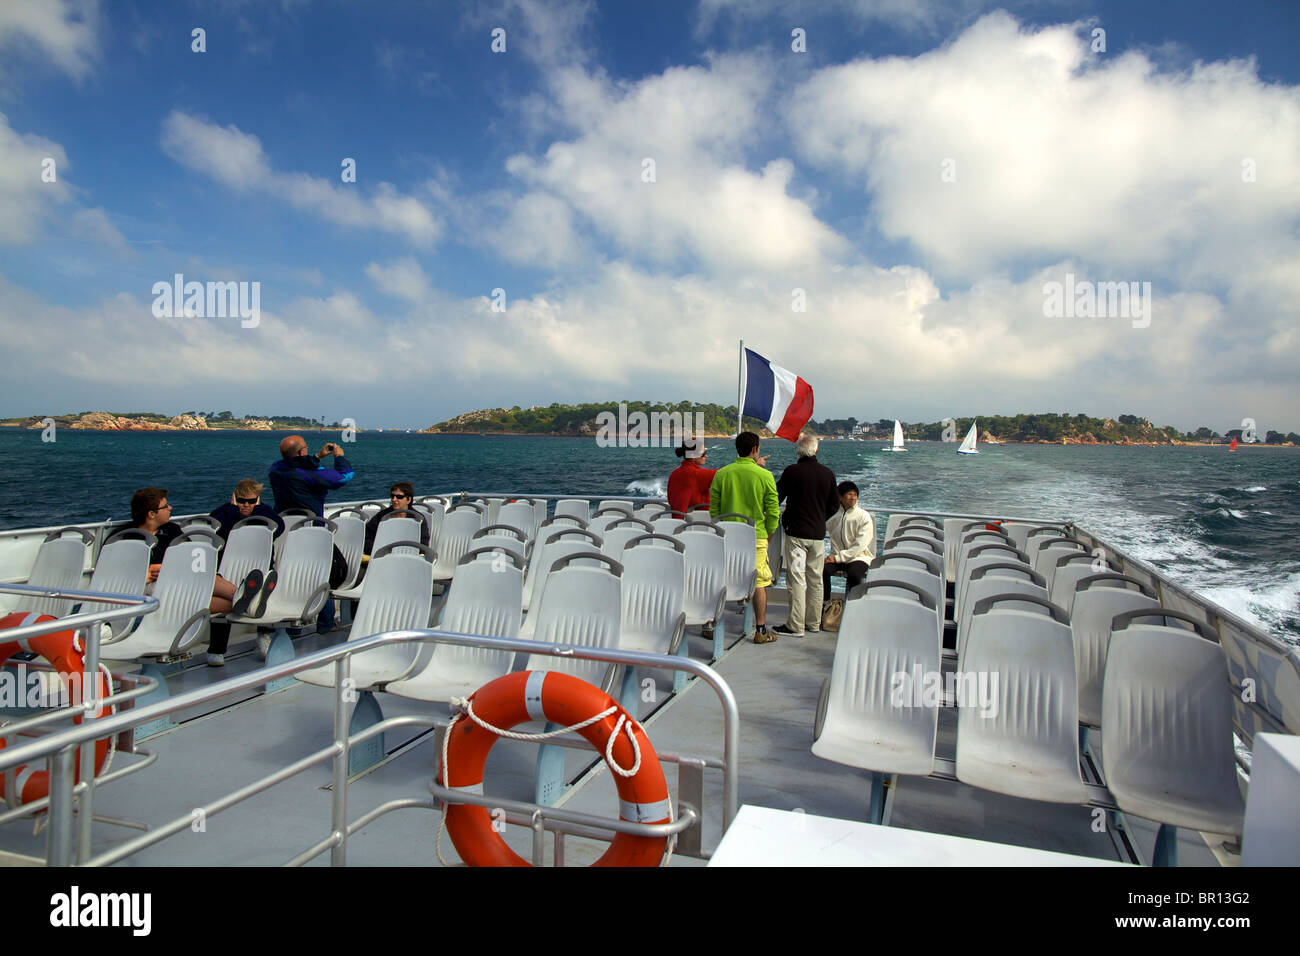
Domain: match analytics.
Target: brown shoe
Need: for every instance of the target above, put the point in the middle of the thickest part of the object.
(763, 636)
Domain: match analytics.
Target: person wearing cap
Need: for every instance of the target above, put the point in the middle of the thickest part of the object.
(689, 483)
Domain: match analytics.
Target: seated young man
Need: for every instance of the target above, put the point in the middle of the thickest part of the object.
(151, 512)
(853, 541)
(245, 503)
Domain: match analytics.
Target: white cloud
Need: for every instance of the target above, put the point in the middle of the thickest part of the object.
(403, 279)
(25, 196)
(63, 30)
(658, 168)
(1059, 152)
(910, 16)
(236, 160)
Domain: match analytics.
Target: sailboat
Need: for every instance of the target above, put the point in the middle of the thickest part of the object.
(898, 438)
(968, 443)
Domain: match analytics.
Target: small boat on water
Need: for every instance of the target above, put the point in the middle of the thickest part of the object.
(898, 438)
(968, 443)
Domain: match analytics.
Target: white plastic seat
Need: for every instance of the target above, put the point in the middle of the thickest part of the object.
(1167, 737)
(995, 578)
(121, 568)
(574, 508)
(606, 516)
(580, 607)
(976, 539)
(350, 539)
(651, 510)
(1098, 599)
(454, 539)
(914, 543)
(399, 590)
(620, 532)
(59, 565)
(303, 576)
(292, 517)
(1024, 740)
(1018, 531)
(916, 569)
(553, 526)
(667, 523)
(954, 529)
(926, 531)
(184, 591)
(1035, 536)
(557, 551)
(402, 531)
(740, 540)
(1049, 549)
(519, 514)
(502, 536)
(869, 716)
(977, 557)
(706, 580)
(248, 548)
(1070, 570)
(898, 519)
(654, 582)
(485, 599)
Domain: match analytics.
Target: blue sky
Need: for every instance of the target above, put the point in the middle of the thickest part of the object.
(774, 171)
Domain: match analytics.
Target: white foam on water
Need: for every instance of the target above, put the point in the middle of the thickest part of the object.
(648, 487)
(1254, 488)
(1264, 603)
(1235, 513)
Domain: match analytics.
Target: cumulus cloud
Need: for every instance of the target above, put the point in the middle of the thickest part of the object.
(236, 160)
(63, 30)
(658, 169)
(1014, 144)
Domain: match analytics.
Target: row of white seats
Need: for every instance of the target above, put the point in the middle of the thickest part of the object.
(1167, 752)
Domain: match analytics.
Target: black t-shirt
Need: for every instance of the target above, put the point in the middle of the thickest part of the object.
(166, 534)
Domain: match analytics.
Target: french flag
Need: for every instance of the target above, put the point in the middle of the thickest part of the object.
(776, 396)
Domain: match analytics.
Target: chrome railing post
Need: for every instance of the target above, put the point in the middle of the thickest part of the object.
(86, 768)
(59, 848)
(339, 801)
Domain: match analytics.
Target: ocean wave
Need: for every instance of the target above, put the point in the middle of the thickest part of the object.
(1254, 488)
(1272, 604)
(648, 487)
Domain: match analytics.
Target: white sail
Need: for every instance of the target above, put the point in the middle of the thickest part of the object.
(968, 443)
(898, 435)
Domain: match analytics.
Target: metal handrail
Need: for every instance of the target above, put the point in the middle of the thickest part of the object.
(60, 747)
(134, 605)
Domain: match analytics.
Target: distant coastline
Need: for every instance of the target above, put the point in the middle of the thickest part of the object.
(640, 421)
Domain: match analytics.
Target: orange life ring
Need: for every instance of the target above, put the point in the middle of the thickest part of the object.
(63, 651)
(566, 700)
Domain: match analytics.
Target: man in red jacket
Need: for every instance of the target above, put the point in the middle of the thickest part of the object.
(688, 485)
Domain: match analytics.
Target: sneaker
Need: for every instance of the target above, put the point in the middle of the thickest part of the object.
(706, 632)
(268, 587)
(247, 595)
(263, 645)
(784, 631)
(763, 636)
(216, 660)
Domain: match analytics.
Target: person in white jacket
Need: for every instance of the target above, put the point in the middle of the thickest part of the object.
(853, 540)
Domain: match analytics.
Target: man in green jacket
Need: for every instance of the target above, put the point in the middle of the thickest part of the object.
(746, 487)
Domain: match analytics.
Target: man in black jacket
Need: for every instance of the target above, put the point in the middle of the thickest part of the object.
(808, 489)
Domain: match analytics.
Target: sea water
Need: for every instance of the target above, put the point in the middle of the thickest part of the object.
(1223, 524)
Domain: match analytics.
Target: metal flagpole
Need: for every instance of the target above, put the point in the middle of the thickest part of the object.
(740, 386)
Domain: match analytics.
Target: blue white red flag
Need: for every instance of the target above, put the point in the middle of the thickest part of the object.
(776, 396)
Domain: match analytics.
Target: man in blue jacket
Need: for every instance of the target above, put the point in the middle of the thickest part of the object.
(299, 480)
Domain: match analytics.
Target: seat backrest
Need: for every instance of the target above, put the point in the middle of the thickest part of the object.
(1167, 725)
(1070, 570)
(518, 514)
(573, 507)
(391, 530)
(398, 594)
(706, 571)
(1018, 531)
(539, 569)
(580, 607)
(454, 539)
(1022, 737)
(121, 568)
(59, 564)
(654, 583)
(650, 510)
(995, 577)
(249, 546)
(184, 586)
(886, 643)
(900, 520)
(1052, 548)
(606, 516)
(1098, 599)
(350, 539)
(485, 598)
(304, 566)
(916, 573)
(501, 536)
(740, 540)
